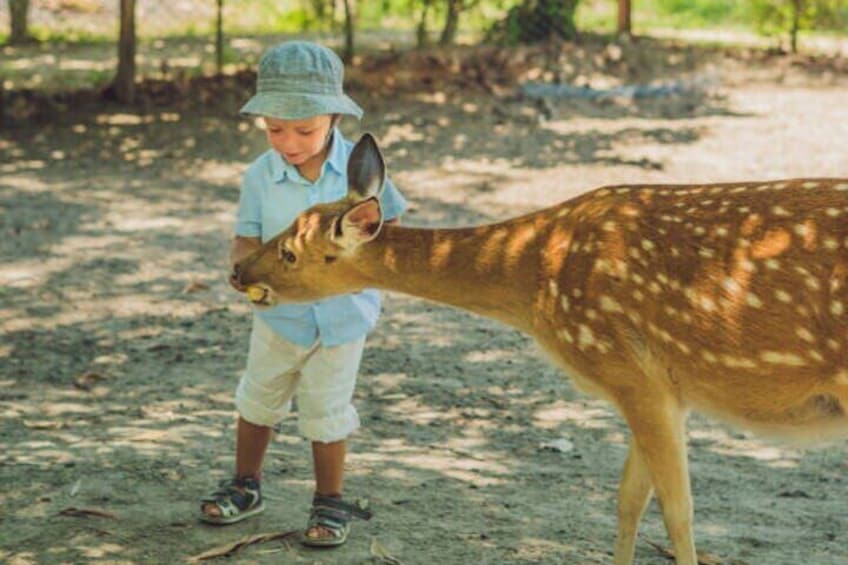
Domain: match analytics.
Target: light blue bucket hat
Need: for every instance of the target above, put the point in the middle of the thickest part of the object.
(297, 80)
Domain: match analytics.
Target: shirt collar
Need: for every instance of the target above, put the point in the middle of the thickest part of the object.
(336, 160)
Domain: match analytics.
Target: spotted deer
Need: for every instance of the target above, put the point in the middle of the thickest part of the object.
(724, 298)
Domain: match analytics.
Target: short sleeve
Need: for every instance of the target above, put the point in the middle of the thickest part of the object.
(392, 201)
(249, 212)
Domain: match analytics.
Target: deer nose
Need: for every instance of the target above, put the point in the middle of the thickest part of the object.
(235, 276)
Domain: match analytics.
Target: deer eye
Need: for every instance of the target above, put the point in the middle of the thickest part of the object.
(286, 255)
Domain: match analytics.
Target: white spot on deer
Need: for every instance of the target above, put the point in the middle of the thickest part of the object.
(591, 314)
(706, 253)
(709, 357)
(654, 288)
(609, 304)
(772, 264)
(805, 334)
(843, 186)
(638, 296)
(837, 308)
(783, 296)
(731, 286)
(801, 230)
(700, 230)
(553, 288)
(585, 337)
(832, 212)
(648, 245)
(707, 303)
(782, 358)
(810, 184)
(737, 362)
(830, 244)
(566, 305)
(637, 278)
(832, 344)
(721, 231)
(753, 300)
(812, 283)
(780, 211)
(815, 355)
(566, 336)
(841, 377)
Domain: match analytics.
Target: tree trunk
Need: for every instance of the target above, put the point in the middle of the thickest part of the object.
(219, 38)
(624, 17)
(797, 8)
(347, 56)
(421, 30)
(19, 16)
(124, 83)
(451, 23)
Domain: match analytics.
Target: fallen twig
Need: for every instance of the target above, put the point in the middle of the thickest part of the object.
(228, 549)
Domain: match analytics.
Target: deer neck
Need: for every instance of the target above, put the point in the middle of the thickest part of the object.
(487, 270)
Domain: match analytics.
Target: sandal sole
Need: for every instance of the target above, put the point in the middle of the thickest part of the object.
(325, 542)
(227, 520)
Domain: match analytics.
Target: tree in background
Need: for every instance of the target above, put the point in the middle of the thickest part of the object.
(347, 55)
(19, 19)
(533, 21)
(624, 20)
(421, 38)
(778, 17)
(123, 85)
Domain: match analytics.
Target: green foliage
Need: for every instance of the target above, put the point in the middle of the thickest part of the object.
(533, 21)
(772, 17)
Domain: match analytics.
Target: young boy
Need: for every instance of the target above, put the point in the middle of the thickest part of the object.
(308, 351)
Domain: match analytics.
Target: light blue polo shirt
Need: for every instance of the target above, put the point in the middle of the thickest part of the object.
(273, 194)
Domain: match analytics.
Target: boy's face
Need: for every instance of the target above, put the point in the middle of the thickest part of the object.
(299, 141)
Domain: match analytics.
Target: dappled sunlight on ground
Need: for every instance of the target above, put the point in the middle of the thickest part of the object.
(122, 341)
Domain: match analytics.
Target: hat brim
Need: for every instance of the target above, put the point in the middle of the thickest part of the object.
(299, 106)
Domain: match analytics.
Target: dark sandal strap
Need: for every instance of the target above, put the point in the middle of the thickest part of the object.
(339, 510)
(244, 493)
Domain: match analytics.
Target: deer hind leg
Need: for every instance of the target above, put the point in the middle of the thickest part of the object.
(658, 424)
(633, 495)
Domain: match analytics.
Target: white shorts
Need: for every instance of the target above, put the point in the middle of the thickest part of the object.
(321, 378)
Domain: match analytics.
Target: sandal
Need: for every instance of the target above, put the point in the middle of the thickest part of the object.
(236, 499)
(333, 515)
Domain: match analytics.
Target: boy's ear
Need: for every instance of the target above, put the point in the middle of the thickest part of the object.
(359, 224)
(366, 170)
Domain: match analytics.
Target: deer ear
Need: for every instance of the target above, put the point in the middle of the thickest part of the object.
(359, 224)
(366, 170)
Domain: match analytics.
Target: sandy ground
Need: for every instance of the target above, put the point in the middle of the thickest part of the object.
(122, 342)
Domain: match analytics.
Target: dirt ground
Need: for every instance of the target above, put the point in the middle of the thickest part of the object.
(122, 343)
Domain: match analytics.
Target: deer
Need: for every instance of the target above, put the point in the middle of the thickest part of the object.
(728, 299)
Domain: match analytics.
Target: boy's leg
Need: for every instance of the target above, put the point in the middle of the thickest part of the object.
(327, 417)
(263, 397)
(328, 460)
(251, 442)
